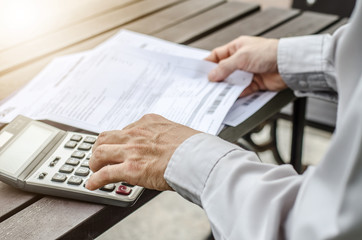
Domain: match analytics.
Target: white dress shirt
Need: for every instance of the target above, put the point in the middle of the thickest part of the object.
(246, 199)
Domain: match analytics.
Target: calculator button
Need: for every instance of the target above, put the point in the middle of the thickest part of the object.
(89, 156)
(85, 146)
(90, 140)
(78, 154)
(73, 180)
(82, 171)
(42, 175)
(72, 161)
(66, 169)
(58, 177)
(124, 190)
(108, 187)
(85, 163)
(54, 162)
(76, 137)
(127, 184)
(70, 144)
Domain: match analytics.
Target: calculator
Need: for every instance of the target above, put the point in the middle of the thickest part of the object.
(40, 158)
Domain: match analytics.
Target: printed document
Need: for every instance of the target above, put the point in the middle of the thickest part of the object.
(243, 107)
(113, 86)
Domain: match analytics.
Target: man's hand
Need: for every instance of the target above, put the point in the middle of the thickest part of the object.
(252, 54)
(138, 154)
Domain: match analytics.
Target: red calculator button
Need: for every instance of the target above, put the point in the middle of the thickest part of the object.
(123, 190)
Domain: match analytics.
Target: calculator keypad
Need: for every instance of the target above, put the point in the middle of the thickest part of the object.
(68, 168)
(74, 160)
(73, 170)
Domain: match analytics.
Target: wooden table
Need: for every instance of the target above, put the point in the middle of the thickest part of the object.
(75, 26)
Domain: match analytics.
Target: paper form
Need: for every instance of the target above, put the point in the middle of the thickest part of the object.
(126, 37)
(112, 87)
(243, 107)
(25, 101)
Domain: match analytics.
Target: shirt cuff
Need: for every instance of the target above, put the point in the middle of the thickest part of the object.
(192, 162)
(305, 63)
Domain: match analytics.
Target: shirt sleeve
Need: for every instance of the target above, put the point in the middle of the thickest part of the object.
(307, 66)
(227, 181)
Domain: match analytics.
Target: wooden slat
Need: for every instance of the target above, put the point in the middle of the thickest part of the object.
(71, 12)
(306, 23)
(196, 27)
(37, 221)
(12, 58)
(255, 24)
(171, 16)
(335, 26)
(57, 218)
(13, 200)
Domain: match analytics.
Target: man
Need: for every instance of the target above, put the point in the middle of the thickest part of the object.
(243, 198)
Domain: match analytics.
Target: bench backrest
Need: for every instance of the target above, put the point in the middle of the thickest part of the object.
(342, 8)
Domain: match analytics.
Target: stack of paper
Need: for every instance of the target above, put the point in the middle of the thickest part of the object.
(128, 76)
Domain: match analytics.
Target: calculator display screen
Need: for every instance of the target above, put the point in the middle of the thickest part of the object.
(25, 147)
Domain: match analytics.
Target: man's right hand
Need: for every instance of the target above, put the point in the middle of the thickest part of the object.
(252, 54)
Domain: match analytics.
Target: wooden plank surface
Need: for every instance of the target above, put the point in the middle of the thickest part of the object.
(254, 24)
(32, 50)
(171, 16)
(37, 221)
(13, 200)
(202, 24)
(57, 14)
(306, 23)
(335, 26)
(57, 218)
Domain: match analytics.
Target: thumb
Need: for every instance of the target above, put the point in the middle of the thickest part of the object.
(223, 69)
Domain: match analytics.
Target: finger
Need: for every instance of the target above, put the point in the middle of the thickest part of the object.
(252, 88)
(106, 175)
(258, 79)
(111, 137)
(106, 154)
(224, 69)
(219, 54)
